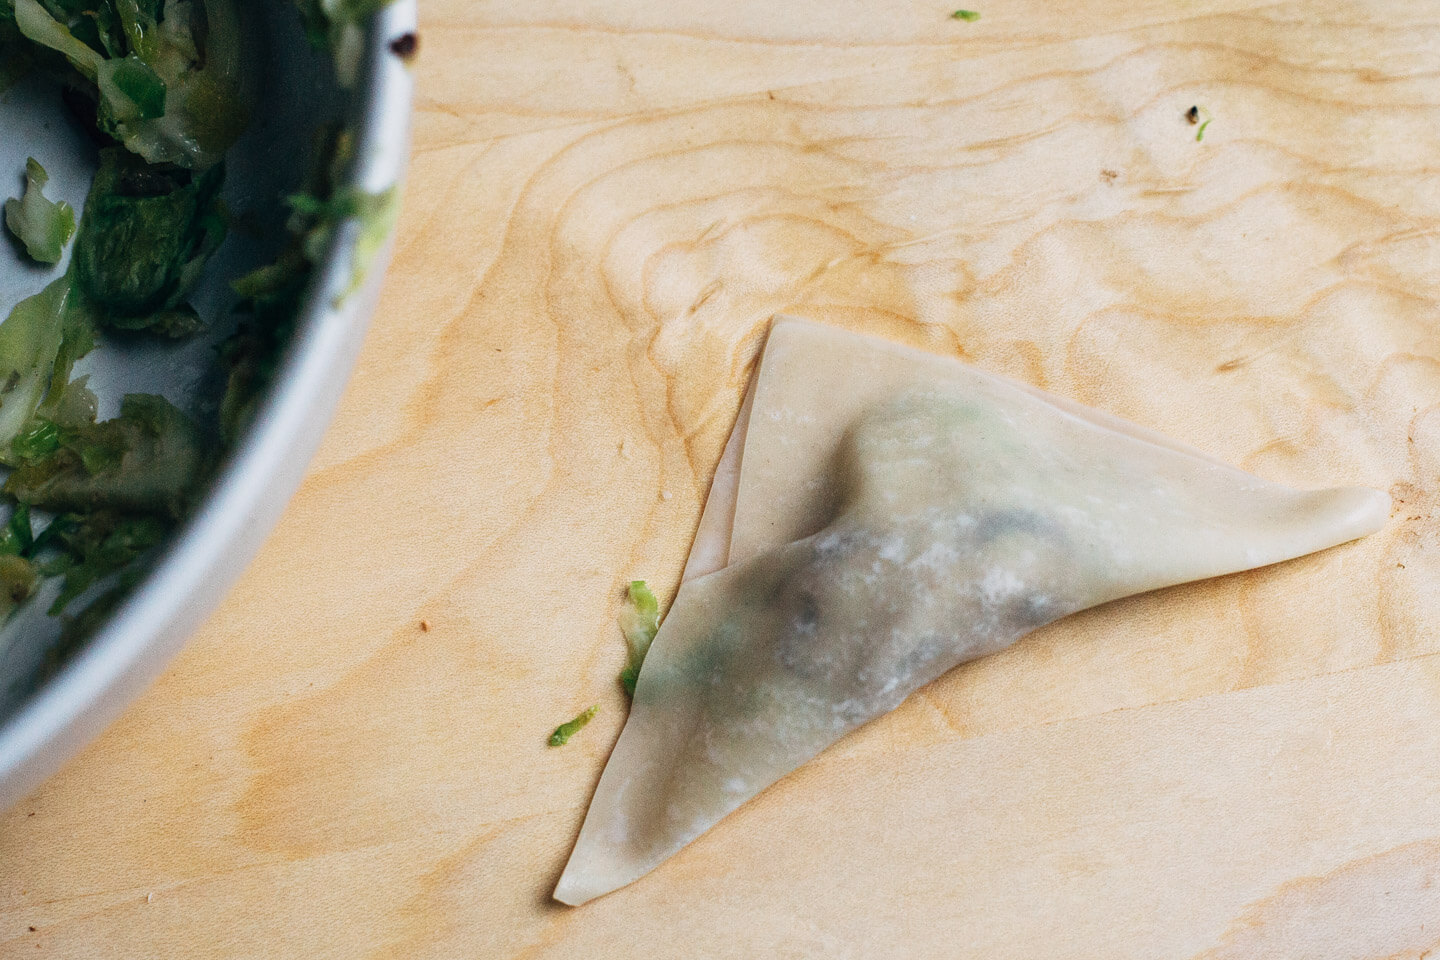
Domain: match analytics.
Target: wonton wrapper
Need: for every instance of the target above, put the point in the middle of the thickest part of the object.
(879, 516)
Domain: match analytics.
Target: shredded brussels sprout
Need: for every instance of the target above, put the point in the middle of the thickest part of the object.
(43, 226)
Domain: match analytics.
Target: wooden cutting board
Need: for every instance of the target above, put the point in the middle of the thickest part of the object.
(609, 199)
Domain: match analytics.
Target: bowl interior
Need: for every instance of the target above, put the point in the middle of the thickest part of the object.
(292, 93)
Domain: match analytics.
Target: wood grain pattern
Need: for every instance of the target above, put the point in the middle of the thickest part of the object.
(608, 201)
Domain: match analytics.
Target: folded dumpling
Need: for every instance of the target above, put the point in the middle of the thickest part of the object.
(881, 515)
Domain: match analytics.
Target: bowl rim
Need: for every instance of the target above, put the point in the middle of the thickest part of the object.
(248, 495)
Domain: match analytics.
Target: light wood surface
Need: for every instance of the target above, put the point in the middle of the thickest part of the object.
(609, 198)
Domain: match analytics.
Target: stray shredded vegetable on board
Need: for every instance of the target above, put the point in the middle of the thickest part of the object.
(565, 731)
(639, 621)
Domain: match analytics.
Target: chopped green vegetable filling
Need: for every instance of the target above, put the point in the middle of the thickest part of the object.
(318, 220)
(565, 731)
(18, 580)
(15, 57)
(969, 16)
(41, 28)
(147, 460)
(145, 237)
(165, 76)
(18, 575)
(271, 294)
(42, 225)
(639, 621)
(130, 90)
(34, 353)
(252, 356)
(87, 548)
(339, 26)
(17, 537)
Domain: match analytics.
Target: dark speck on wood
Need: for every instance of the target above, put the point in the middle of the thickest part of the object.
(405, 46)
